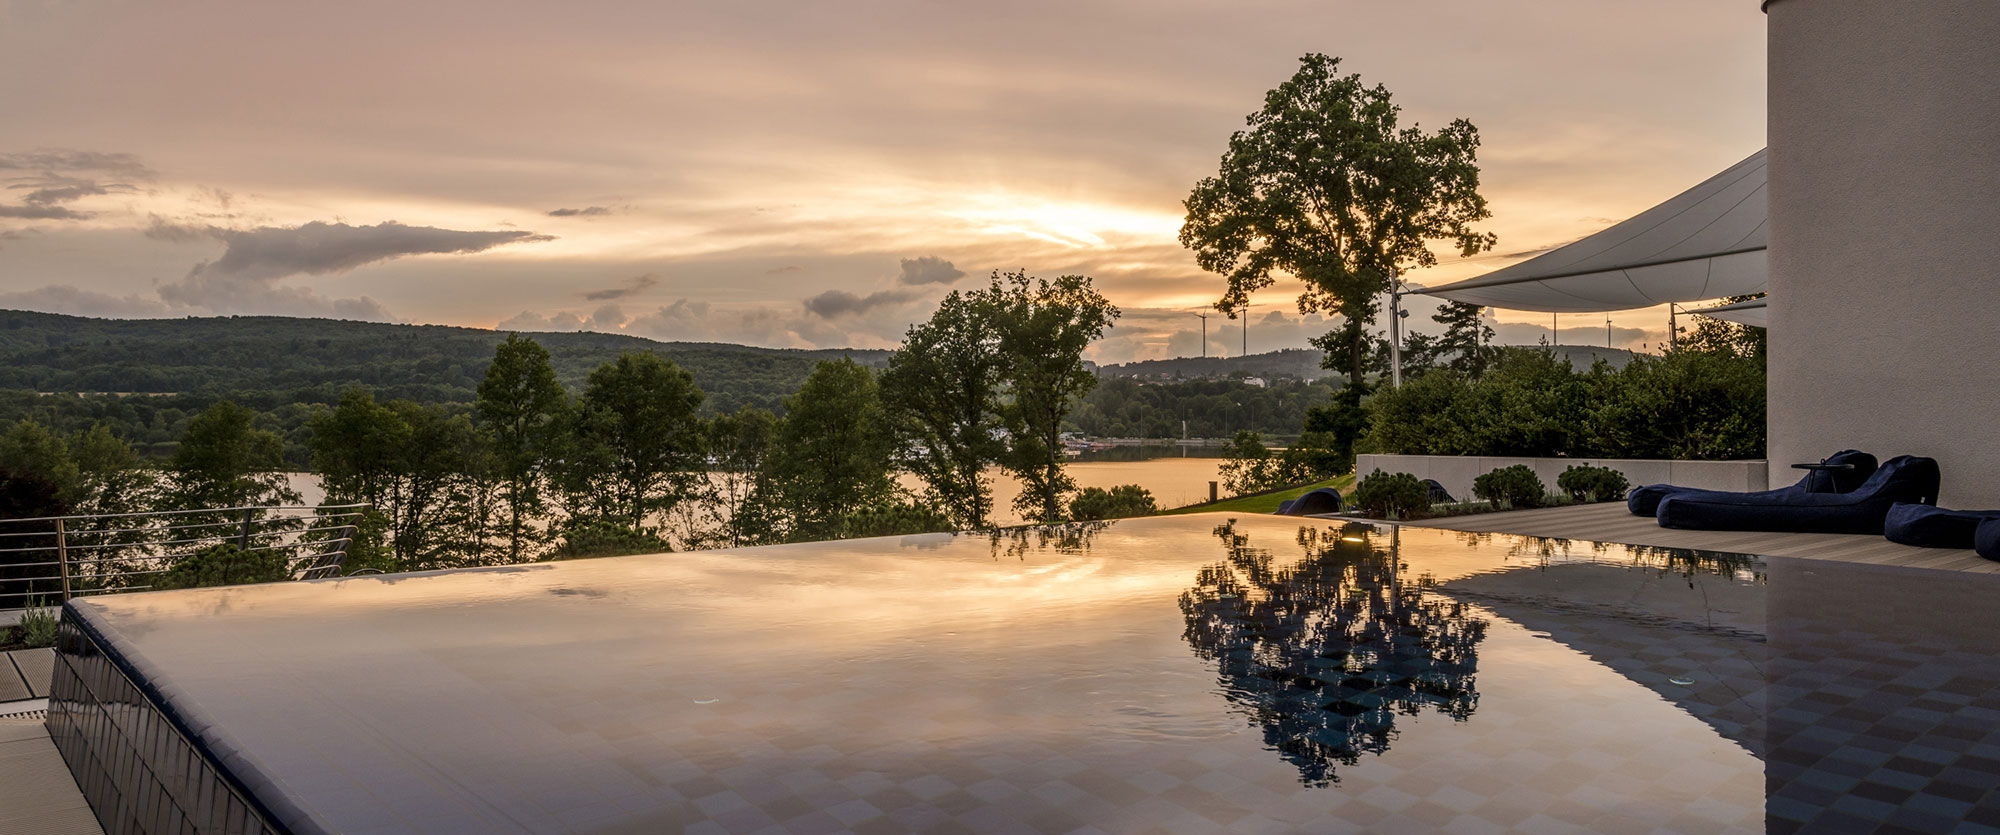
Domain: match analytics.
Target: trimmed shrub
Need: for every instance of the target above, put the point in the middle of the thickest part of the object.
(600, 537)
(225, 565)
(1119, 502)
(1515, 486)
(1586, 483)
(896, 518)
(1391, 495)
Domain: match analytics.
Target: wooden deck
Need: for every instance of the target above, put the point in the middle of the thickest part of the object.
(1610, 522)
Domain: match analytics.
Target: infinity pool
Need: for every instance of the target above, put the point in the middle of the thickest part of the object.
(1195, 674)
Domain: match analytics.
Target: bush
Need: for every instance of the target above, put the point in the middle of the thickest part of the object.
(1515, 486)
(38, 626)
(598, 537)
(1119, 502)
(1392, 495)
(1246, 464)
(897, 518)
(1586, 483)
(225, 565)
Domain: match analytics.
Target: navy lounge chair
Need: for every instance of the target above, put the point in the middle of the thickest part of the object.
(1986, 540)
(1438, 495)
(1323, 500)
(1645, 501)
(1927, 526)
(1905, 478)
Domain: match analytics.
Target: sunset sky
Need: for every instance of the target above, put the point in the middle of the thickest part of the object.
(785, 173)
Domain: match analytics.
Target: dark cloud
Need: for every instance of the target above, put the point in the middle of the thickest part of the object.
(123, 165)
(835, 303)
(245, 278)
(161, 229)
(632, 286)
(785, 270)
(77, 301)
(42, 213)
(929, 269)
(587, 211)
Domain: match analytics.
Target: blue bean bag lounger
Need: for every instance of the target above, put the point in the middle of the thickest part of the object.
(1645, 501)
(1986, 540)
(1323, 500)
(1928, 526)
(1904, 478)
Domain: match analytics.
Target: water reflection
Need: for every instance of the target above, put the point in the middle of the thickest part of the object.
(1325, 653)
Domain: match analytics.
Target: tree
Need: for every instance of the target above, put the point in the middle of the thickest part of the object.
(1325, 185)
(830, 459)
(641, 444)
(1465, 346)
(521, 404)
(738, 445)
(1717, 336)
(1044, 327)
(941, 391)
(225, 461)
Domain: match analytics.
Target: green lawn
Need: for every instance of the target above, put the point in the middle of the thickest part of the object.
(1262, 502)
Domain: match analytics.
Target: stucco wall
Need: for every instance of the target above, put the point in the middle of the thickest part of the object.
(1456, 472)
(1885, 234)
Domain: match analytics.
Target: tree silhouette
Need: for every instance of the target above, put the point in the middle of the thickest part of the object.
(1325, 653)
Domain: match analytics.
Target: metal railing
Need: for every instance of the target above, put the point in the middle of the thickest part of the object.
(50, 559)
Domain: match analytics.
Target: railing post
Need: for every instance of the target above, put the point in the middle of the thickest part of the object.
(62, 557)
(243, 540)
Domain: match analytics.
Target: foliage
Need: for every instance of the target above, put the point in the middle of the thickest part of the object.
(1516, 486)
(38, 625)
(225, 565)
(1245, 463)
(1464, 346)
(1716, 336)
(605, 537)
(1391, 495)
(1123, 407)
(225, 461)
(1326, 185)
(634, 447)
(897, 517)
(521, 406)
(830, 457)
(737, 445)
(426, 472)
(1685, 405)
(1120, 502)
(1586, 483)
(1044, 327)
(942, 393)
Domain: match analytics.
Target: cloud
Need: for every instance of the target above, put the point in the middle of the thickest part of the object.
(836, 303)
(124, 165)
(785, 270)
(77, 301)
(632, 286)
(42, 213)
(244, 279)
(587, 211)
(929, 269)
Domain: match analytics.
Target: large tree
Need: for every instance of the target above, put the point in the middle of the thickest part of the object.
(521, 404)
(637, 443)
(941, 391)
(830, 459)
(1044, 327)
(224, 460)
(1327, 186)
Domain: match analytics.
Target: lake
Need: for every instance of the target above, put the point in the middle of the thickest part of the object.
(1174, 481)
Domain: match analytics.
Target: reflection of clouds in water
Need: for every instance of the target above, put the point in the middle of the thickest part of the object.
(1325, 653)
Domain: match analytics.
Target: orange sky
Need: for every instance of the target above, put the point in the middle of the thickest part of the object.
(783, 173)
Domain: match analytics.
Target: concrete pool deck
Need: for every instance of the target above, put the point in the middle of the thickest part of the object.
(1611, 522)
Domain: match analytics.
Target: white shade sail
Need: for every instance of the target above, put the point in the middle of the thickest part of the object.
(1705, 243)
(1752, 312)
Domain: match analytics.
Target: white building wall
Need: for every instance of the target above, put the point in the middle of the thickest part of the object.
(1885, 235)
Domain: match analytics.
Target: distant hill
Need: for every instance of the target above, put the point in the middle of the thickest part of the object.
(314, 359)
(1303, 364)
(1289, 364)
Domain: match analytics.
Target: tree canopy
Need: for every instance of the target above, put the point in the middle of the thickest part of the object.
(1327, 186)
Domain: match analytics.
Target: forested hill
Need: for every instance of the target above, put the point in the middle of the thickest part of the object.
(283, 359)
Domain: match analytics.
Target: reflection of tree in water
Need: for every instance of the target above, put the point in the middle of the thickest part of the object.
(1325, 653)
(1069, 539)
(1685, 562)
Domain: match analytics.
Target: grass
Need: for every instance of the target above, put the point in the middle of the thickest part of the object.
(1262, 502)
